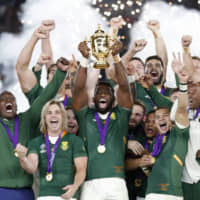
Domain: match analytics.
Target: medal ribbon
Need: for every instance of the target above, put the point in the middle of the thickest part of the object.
(65, 100)
(197, 113)
(146, 145)
(102, 132)
(158, 144)
(13, 138)
(51, 155)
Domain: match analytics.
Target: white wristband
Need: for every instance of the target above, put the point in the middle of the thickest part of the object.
(131, 79)
(183, 87)
(84, 63)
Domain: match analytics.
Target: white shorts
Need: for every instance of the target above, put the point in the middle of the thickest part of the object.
(104, 189)
(52, 198)
(153, 196)
(140, 198)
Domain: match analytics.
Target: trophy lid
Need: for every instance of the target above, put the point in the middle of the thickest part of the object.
(99, 32)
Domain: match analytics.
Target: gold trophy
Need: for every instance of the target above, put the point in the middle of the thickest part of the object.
(100, 42)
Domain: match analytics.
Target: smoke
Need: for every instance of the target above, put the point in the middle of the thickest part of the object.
(74, 19)
(175, 21)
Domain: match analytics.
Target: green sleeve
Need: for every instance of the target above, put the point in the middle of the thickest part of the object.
(158, 98)
(37, 74)
(33, 146)
(34, 93)
(78, 147)
(182, 131)
(47, 94)
(36, 90)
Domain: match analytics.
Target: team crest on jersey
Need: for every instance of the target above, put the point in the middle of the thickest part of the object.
(113, 116)
(64, 145)
(43, 148)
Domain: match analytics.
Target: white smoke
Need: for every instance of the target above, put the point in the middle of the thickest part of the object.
(75, 19)
(175, 21)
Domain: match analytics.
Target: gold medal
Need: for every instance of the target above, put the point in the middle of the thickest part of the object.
(101, 148)
(153, 159)
(49, 177)
(138, 182)
(16, 154)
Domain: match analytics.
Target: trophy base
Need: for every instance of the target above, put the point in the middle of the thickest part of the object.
(101, 65)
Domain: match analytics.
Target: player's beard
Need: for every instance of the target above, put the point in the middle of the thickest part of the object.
(159, 80)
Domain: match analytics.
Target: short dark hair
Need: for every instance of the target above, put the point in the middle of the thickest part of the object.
(141, 104)
(156, 58)
(196, 58)
(163, 107)
(6, 92)
(106, 83)
(138, 59)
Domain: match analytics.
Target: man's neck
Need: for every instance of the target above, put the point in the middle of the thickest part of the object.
(54, 133)
(103, 116)
(159, 86)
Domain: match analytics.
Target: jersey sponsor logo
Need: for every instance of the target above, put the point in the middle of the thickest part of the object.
(43, 148)
(64, 145)
(124, 138)
(164, 186)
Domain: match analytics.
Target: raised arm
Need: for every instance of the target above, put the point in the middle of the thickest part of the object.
(160, 100)
(160, 45)
(137, 46)
(46, 43)
(123, 93)
(49, 91)
(181, 113)
(80, 96)
(115, 24)
(189, 67)
(26, 77)
(186, 40)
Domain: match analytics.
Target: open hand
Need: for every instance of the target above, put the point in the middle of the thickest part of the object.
(84, 49)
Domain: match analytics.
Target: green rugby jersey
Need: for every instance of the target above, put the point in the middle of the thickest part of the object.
(111, 162)
(69, 148)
